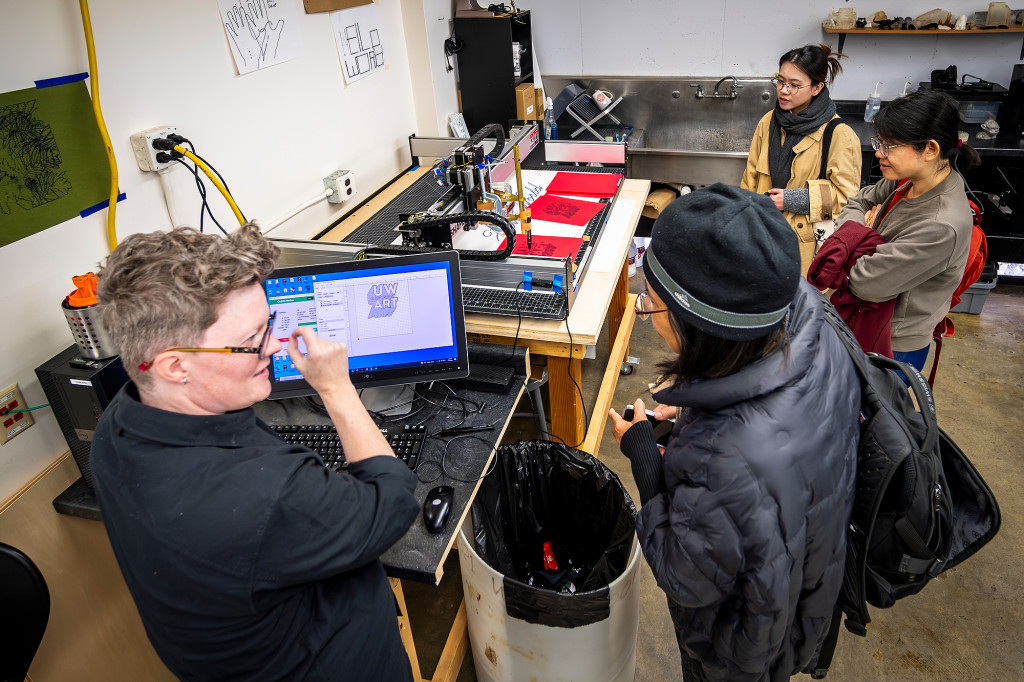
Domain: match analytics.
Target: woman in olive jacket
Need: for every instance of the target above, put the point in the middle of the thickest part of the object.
(786, 151)
(744, 515)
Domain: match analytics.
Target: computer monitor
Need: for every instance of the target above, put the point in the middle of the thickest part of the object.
(401, 318)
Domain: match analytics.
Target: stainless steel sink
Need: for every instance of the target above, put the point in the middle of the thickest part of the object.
(679, 137)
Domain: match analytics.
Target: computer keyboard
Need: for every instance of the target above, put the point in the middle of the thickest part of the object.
(495, 301)
(406, 441)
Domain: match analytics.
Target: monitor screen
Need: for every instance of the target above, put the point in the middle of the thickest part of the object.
(401, 318)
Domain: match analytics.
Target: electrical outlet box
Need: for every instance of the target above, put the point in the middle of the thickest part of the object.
(11, 424)
(142, 145)
(342, 184)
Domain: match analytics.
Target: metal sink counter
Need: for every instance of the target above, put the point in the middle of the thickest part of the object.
(680, 137)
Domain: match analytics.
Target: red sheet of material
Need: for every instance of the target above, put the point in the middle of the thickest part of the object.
(548, 246)
(584, 184)
(564, 210)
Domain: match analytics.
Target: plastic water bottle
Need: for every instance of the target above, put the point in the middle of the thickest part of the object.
(873, 104)
(550, 129)
(631, 259)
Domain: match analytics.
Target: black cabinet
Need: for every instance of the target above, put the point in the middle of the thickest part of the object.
(487, 75)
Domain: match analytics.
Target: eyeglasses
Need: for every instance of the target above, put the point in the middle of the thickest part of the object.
(878, 145)
(788, 87)
(258, 349)
(644, 307)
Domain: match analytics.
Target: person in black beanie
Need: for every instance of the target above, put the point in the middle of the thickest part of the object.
(744, 513)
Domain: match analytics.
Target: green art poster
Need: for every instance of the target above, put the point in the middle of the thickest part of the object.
(52, 161)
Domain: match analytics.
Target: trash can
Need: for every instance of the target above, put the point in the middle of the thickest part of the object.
(550, 569)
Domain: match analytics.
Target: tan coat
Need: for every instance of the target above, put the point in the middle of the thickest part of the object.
(828, 196)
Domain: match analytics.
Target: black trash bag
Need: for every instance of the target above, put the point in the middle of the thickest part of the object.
(544, 493)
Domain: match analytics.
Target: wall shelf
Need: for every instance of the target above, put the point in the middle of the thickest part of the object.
(843, 32)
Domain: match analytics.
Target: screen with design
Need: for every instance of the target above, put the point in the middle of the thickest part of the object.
(400, 317)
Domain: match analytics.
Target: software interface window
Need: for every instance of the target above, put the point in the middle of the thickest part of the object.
(394, 316)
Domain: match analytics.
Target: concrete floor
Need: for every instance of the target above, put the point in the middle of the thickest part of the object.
(968, 624)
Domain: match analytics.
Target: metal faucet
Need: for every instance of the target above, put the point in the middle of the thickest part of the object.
(732, 88)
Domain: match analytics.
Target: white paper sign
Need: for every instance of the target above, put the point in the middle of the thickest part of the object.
(360, 40)
(261, 32)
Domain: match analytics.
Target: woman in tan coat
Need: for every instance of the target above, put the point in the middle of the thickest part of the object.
(786, 153)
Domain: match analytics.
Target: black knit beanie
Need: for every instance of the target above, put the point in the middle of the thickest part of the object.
(725, 261)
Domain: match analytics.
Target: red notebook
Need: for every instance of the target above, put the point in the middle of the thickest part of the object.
(585, 184)
(564, 210)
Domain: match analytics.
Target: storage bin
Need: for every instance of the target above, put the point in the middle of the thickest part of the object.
(972, 300)
(978, 112)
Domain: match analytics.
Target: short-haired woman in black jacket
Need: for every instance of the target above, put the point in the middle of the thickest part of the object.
(744, 515)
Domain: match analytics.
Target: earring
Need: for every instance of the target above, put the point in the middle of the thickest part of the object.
(184, 381)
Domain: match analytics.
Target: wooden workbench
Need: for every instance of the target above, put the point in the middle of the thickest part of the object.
(603, 292)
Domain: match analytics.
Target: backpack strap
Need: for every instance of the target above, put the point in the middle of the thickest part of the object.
(828, 647)
(826, 143)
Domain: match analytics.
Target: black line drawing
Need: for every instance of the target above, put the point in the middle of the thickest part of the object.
(366, 55)
(30, 160)
(255, 36)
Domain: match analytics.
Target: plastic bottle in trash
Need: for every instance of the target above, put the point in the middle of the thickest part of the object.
(873, 104)
(631, 259)
(550, 129)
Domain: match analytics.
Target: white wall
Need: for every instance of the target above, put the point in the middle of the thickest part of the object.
(273, 134)
(746, 38)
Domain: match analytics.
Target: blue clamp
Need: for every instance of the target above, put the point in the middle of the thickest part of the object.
(556, 284)
(481, 165)
(528, 281)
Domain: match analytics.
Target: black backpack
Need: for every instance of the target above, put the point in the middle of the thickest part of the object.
(920, 507)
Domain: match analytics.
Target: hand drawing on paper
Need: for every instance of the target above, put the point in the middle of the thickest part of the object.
(30, 160)
(254, 35)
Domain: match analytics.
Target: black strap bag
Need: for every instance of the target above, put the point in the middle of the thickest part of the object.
(920, 506)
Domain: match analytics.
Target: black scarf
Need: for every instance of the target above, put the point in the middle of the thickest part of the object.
(780, 154)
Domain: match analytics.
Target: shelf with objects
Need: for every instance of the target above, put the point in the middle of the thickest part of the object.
(843, 32)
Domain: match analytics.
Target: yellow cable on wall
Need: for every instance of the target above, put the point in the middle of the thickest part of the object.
(95, 90)
(216, 181)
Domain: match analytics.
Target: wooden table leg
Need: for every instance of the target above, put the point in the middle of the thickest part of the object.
(405, 629)
(454, 648)
(566, 402)
(616, 309)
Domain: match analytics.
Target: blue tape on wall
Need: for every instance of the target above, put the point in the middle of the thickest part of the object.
(100, 206)
(61, 80)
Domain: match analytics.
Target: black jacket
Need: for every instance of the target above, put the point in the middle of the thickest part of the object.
(246, 557)
(743, 520)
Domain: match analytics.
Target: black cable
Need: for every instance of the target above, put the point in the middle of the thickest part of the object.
(519, 314)
(184, 140)
(202, 193)
(444, 456)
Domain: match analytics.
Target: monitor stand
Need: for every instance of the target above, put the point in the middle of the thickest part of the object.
(380, 398)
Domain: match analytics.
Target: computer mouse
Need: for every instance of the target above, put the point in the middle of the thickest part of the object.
(438, 507)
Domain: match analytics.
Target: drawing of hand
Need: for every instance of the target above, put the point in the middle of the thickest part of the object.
(238, 28)
(266, 34)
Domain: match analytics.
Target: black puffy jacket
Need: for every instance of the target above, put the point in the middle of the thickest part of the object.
(746, 534)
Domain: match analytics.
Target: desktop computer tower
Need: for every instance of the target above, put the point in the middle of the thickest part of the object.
(78, 390)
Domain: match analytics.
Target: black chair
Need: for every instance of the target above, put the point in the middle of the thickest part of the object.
(25, 605)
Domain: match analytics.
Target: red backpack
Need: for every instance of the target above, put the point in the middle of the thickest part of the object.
(976, 258)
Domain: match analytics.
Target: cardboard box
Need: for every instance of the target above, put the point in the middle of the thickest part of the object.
(313, 6)
(539, 103)
(526, 108)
